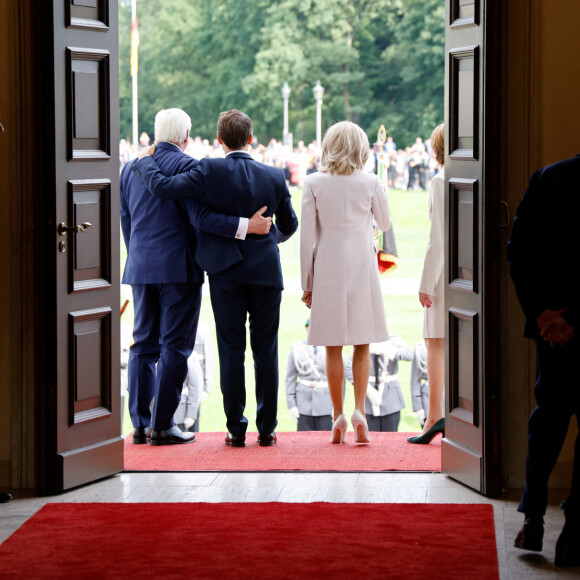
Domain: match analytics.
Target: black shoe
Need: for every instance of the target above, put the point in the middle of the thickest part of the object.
(568, 546)
(233, 441)
(141, 435)
(530, 537)
(4, 497)
(267, 440)
(171, 436)
(439, 427)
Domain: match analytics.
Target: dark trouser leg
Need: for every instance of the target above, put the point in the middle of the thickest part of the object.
(557, 398)
(323, 423)
(390, 423)
(412, 176)
(264, 311)
(180, 304)
(143, 354)
(309, 423)
(374, 423)
(305, 423)
(423, 178)
(230, 307)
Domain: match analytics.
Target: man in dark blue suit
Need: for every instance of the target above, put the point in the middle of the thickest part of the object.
(542, 250)
(245, 279)
(166, 283)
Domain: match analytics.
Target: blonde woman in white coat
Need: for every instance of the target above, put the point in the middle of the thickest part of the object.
(340, 277)
(432, 299)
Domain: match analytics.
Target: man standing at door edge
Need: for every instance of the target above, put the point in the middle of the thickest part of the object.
(166, 282)
(542, 250)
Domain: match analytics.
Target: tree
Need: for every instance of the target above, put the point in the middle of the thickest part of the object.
(380, 61)
(415, 63)
(308, 40)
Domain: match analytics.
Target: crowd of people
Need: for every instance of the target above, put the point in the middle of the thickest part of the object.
(408, 168)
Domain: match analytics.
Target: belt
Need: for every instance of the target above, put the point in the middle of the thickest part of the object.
(314, 384)
(387, 379)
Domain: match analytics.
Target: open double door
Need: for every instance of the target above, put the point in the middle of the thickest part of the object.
(81, 430)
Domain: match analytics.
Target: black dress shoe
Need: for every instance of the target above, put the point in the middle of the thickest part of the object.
(141, 435)
(234, 441)
(530, 537)
(4, 497)
(568, 546)
(171, 436)
(267, 440)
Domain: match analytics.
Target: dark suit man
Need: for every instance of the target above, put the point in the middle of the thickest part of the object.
(542, 254)
(166, 284)
(245, 279)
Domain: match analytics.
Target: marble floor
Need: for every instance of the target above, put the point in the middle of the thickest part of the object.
(309, 487)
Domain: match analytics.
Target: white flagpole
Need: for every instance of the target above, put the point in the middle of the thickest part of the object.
(135, 74)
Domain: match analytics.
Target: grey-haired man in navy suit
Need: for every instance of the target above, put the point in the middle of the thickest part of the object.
(160, 236)
(542, 253)
(245, 279)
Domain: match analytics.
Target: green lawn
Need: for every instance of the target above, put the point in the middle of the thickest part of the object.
(404, 315)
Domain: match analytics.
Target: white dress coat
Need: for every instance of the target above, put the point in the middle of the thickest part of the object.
(433, 266)
(338, 257)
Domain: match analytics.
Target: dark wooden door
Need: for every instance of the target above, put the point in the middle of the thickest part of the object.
(469, 450)
(86, 426)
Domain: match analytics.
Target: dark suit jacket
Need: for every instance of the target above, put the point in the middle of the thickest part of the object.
(236, 185)
(544, 245)
(159, 235)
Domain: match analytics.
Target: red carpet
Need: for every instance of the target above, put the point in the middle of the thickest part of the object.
(271, 541)
(304, 451)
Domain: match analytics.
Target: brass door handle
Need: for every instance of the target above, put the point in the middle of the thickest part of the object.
(63, 230)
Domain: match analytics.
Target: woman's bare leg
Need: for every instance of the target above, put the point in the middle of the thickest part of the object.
(335, 377)
(436, 377)
(361, 367)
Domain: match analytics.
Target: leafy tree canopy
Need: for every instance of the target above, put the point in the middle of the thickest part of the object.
(380, 62)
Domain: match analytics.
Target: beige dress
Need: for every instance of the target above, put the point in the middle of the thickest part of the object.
(338, 257)
(433, 266)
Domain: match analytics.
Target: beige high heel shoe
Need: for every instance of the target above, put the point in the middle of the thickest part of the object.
(361, 429)
(338, 434)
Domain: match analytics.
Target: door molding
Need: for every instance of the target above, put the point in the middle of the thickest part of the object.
(26, 146)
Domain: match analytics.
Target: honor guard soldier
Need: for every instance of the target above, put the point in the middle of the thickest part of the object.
(307, 392)
(198, 382)
(384, 396)
(420, 382)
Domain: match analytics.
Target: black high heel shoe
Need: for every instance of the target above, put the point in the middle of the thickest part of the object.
(439, 427)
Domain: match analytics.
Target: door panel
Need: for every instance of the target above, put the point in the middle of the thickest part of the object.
(88, 442)
(470, 429)
(89, 261)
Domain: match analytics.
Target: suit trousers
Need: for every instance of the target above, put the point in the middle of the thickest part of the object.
(166, 317)
(558, 396)
(232, 303)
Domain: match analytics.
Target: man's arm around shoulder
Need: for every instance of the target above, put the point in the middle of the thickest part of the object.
(188, 185)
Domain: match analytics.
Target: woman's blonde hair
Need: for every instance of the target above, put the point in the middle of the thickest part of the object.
(438, 143)
(345, 148)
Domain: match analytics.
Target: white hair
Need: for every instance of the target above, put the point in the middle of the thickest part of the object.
(172, 125)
